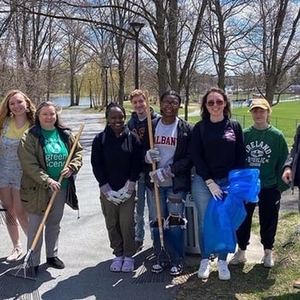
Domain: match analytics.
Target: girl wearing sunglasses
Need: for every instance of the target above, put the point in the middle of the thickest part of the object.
(217, 148)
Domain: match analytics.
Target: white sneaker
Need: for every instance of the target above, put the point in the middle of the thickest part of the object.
(204, 269)
(238, 258)
(224, 273)
(268, 259)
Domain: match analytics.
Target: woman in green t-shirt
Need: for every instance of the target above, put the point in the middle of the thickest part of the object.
(43, 151)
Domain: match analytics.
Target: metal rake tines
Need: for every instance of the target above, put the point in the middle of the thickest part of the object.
(6, 218)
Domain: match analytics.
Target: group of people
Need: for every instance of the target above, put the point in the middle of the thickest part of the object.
(182, 158)
(34, 147)
(186, 158)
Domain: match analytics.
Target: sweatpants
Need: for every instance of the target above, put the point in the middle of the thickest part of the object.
(268, 211)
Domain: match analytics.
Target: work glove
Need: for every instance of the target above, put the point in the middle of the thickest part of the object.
(127, 190)
(215, 190)
(111, 196)
(161, 175)
(152, 156)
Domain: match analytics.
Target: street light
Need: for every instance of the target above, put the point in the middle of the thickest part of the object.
(105, 67)
(136, 26)
(91, 102)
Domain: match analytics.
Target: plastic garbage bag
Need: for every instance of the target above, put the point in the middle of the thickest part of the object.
(244, 183)
(223, 217)
(219, 237)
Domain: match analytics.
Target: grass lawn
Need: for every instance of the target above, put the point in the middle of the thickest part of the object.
(253, 281)
(285, 116)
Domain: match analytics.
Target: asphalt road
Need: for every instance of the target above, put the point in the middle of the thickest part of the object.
(84, 247)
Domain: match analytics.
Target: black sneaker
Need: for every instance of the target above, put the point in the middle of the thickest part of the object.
(138, 246)
(55, 262)
(176, 270)
(157, 268)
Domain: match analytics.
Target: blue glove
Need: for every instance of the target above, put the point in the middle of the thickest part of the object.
(161, 175)
(152, 156)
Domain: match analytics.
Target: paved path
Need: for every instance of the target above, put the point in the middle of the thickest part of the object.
(84, 247)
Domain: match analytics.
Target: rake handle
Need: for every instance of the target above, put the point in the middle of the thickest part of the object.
(51, 201)
(156, 192)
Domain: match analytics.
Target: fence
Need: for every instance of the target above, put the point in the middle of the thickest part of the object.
(287, 125)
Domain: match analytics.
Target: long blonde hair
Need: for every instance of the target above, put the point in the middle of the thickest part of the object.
(5, 111)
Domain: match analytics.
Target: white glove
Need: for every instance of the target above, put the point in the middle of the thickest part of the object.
(152, 156)
(161, 175)
(215, 190)
(127, 190)
(112, 196)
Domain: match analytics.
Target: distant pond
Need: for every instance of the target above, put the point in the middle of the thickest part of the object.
(65, 101)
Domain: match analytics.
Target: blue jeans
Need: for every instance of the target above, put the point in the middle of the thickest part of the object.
(201, 195)
(173, 233)
(166, 206)
(143, 193)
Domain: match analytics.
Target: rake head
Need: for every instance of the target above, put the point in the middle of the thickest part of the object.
(25, 270)
(163, 257)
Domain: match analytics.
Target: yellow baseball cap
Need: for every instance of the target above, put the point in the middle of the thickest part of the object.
(261, 103)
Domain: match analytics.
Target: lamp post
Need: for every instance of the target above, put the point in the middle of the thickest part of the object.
(91, 103)
(136, 27)
(105, 67)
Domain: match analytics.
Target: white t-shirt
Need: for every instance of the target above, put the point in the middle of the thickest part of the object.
(165, 140)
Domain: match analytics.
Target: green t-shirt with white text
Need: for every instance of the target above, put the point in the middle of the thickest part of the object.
(56, 154)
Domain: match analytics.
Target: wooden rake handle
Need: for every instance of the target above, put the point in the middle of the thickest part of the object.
(51, 201)
(156, 192)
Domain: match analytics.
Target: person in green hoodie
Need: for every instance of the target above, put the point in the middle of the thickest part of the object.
(266, 149)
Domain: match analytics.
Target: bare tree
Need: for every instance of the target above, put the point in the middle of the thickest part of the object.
(274, 44)
(225, 27)
(76, 58)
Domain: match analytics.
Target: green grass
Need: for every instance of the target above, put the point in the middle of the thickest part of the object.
(285, 116)
(253, 281)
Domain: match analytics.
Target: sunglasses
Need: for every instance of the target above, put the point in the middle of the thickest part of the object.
(217, 102)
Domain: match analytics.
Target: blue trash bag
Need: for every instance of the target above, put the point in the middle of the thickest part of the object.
(235, 210)
(244, 183)
(219, 237)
